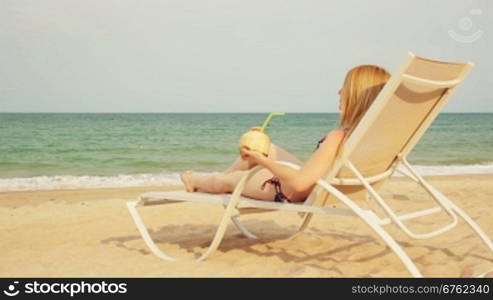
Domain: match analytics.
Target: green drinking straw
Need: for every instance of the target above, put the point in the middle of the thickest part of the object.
(266, 122)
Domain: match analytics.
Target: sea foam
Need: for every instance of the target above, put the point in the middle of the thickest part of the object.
(77, 182)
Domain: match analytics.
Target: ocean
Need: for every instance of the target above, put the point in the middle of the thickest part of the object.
(71, 150)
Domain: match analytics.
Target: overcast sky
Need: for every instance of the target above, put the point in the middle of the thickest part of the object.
(226, 55)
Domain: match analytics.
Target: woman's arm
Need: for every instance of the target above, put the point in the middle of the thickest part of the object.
(316, 166)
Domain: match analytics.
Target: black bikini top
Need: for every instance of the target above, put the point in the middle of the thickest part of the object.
(323, 139)
(320, 142)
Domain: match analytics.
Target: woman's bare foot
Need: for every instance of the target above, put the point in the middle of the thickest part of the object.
(185, 178)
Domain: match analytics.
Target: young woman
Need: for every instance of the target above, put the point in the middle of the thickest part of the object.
(277, 182)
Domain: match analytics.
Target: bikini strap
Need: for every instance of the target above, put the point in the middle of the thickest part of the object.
(320, 142)
(280, 197)
(275, 182)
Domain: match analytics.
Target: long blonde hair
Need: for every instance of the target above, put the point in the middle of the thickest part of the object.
(361, 86)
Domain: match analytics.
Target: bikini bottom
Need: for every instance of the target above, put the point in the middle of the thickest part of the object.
(279, 197)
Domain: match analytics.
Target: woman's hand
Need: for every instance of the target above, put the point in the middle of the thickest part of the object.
(252, 157)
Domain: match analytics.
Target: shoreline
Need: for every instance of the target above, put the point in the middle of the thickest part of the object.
(178, 185)
(56, 182)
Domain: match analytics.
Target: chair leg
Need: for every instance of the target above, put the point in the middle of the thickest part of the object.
(218, 237)
(474, 226)
(372, 220)
(229, 212)
(306, 221)
(132, 208)
(447, 203)
(438, 197)
(487, 273)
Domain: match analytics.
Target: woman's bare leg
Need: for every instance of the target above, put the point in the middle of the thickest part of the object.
(211, 183)
(226, 182)
(278, 153)
(238, 165)
(222, 183)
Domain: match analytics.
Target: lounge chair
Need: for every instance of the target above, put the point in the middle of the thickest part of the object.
(388, 132)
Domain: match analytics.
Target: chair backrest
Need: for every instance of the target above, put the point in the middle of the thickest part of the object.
(399, 116)
(402, 112)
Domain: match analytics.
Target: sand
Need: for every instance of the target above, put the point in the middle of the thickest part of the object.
(79, 233)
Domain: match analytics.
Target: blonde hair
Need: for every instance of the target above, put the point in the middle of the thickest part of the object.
(361, 86)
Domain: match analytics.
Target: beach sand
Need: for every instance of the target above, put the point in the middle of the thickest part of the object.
(79, 233)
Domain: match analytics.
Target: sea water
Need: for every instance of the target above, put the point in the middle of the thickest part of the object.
(50, 151)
